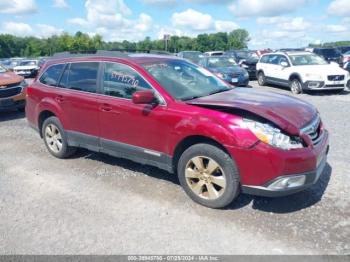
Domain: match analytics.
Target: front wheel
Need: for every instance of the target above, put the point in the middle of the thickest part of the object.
(261, 79)
(208, 175)
(296, 87)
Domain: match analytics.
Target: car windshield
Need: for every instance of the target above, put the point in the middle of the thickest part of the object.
(192, 56)
(347, 53)
(186, 81)
(2, 69)
(247, 55)
(221, 62)
(28, 63)
(309, 59)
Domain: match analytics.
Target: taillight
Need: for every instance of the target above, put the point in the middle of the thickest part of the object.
(29, 90)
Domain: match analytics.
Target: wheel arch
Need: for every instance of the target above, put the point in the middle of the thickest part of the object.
(41, 119)
(189, 141)
(295, 76)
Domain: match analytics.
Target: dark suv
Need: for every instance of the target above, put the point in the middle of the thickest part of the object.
(246, 59)
(170, 113)
(330, 54)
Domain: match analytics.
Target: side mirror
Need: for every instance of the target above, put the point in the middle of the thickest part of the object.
(284, 64)
(144, 97)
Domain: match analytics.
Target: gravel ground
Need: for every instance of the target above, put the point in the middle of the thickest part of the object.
(96, 204)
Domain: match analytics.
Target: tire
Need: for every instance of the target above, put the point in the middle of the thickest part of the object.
(261, 79)
(296, 87)
(55, 138)
(209, 186)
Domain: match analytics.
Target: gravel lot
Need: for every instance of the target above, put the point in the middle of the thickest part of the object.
(96, 204)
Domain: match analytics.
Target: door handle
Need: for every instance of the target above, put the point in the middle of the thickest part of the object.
(59, 98)
(106, 108)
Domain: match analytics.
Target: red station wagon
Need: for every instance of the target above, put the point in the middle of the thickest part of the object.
(172, 114)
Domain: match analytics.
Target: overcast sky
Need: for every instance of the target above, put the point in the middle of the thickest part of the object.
(271, 23)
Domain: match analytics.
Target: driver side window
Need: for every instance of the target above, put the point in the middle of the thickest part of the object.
(122, 81)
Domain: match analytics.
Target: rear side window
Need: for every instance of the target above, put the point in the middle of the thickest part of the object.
(122, 81)
(81, 77)
(51, 76)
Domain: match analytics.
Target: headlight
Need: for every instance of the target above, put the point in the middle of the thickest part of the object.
(314, 76)
(23, 84)
(272, 136)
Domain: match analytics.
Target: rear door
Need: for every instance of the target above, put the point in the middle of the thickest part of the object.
(77, 97)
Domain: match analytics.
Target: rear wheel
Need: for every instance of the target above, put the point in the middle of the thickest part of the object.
(261, 79)
(296, 87)
(55, 138)
(208, 175)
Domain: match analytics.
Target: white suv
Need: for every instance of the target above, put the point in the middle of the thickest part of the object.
(301, 71)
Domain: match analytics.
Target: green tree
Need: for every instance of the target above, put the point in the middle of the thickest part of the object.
(238, 39)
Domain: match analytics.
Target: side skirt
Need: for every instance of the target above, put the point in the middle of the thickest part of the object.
(134, 153)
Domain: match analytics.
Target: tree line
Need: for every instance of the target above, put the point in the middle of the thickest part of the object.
(331, 44)
(14, 46)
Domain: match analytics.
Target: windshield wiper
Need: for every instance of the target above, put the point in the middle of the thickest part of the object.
(218, 91)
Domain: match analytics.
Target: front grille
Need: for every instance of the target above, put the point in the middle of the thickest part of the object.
(336, 78)
(335, 85)
(313, 130)
(8, 92)
(234, 75)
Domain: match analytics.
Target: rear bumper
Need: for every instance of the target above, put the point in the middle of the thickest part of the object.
(311, 178)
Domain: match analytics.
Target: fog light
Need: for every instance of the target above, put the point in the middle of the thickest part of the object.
(288, 182)
(314, 85)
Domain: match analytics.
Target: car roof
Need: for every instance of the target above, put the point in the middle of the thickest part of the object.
(289, 53)
(136, 58)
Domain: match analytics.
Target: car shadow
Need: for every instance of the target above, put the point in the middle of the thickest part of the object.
(129, 165)
(280, 205)
(11, 115)
(287, 204)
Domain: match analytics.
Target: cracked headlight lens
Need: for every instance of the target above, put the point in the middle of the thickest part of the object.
(272, 135)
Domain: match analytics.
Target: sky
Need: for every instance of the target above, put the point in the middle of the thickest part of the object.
(270, 23)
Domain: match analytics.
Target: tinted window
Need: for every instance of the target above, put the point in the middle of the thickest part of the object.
(122, 81)
(51, 75)
(274, 59)
(81, 77)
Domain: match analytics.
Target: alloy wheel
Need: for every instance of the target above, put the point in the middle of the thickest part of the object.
(53, 138)
(205, 178)
(295, 87)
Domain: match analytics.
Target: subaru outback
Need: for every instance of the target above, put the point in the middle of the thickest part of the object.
(167, 112)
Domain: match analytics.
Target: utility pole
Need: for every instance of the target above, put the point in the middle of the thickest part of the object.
(166, 39)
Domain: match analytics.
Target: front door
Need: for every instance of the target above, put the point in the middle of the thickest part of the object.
(136, 130)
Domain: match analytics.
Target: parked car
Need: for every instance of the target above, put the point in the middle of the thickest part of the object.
(344, 49)
(12, 90)
(167, 112)
(227, 69)
(12, 63)
(246, 59)
(329, 54)
(27, 68)
(346, 57)
(193, 56)
(300, 71)
(214, 53)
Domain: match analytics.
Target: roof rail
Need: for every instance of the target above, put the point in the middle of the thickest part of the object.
(117, 54)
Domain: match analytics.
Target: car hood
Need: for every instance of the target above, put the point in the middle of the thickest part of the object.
(249, 61)
(25, 67)
(288, 113)
(325, 70)
(9, 78)
(227, 70)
